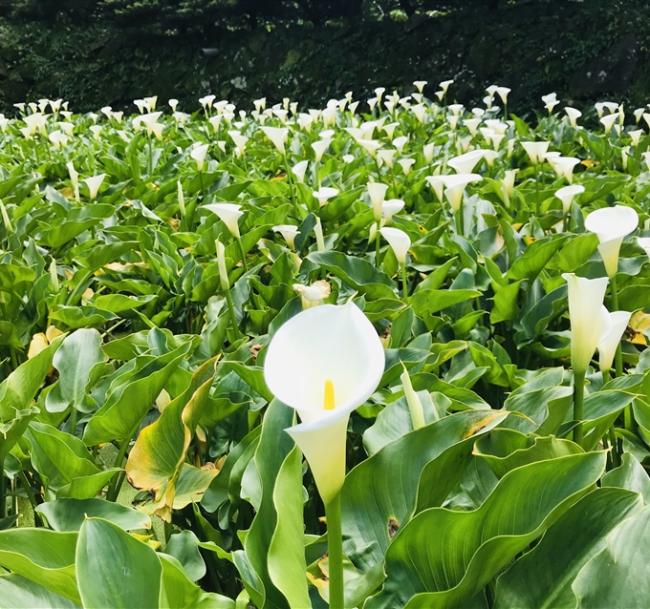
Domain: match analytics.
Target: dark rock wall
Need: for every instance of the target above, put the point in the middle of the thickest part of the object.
(582, 51)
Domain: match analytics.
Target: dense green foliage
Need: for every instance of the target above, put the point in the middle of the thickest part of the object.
(143, 459)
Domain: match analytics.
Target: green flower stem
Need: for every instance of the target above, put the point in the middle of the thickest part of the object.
(460, 221)
(3, 489)
(405, 285)
(618, 359)
(287, 169)
(231, 313)
(114, 489)
(335, 552)
(377, 244)
(242, 253)
(578, 403)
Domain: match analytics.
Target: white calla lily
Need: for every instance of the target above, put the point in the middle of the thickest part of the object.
(455, 187)
(390, 207)
(612, 225)
(324, 194)
(536, 151)
(614, 325)
(566, 194)
(465, 163)
(94, 183)
(564, 166)
(278, 136)
(377, 194)
(644, 242)
(314, 294)
(324, 362)
(299, 170)
(198, 153)
(585, 312)
(229, 214)
(399, 242)
(289, 233)
(573, 114)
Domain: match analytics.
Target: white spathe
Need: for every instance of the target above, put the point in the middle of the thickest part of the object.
(612, 225)
(566, 194)
(614, 325)
(229, 214)
(289, 233)
(399, 242)
(536, 151)
(94, 183)
(328, 349)
(455, 187)
(585, 312)
(198, 153)
(278, 136)
(324, 194)
(465, 163)
(390, 207)
(313, 294)
(644, 242)
(377, 194)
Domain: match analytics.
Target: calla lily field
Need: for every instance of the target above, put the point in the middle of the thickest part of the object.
(387, 353)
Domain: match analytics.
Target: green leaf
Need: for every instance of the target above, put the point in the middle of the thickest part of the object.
(43, 557)
(427, 462)
(116, 570)
(630, 475)
(606, 580)
(428, 302)
(20, 593)
(70, 514)
(449, 568)
(542, 578)
(356, 272)
(131, 395)
(74, 360)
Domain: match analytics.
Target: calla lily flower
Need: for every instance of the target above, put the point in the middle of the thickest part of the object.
(550, 101)
(508, 183)
(324, 194)
(472, 124)
(319, 148)
(635, 136)
(198, 154)
(573, 115)
(608, 121)
(612, 225)
(564, 166)
(419, 85)
(614, 325)
(399, 242)
(536, 151)
(390, 207)
(585, 312)
(289, 233)
(221, 265)
(94, 183)
(314, 294)
(455, 187)
(229, 214)
(299, 170)
(566, 194)
(406, 165)
(644, 242)
(325, 362)
(503, 93)
(278, 136)
(74, 179)
(465, 163)
(377, 193)
(437, 183)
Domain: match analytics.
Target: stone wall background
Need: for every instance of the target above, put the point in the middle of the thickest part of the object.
(584, 51)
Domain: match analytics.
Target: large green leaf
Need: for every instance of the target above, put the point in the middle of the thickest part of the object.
(131, 395)
(19, 593)
(43, 557)
(542, 578)
(442, 558)
(415, 471)
(116, 570)
(617, 575)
